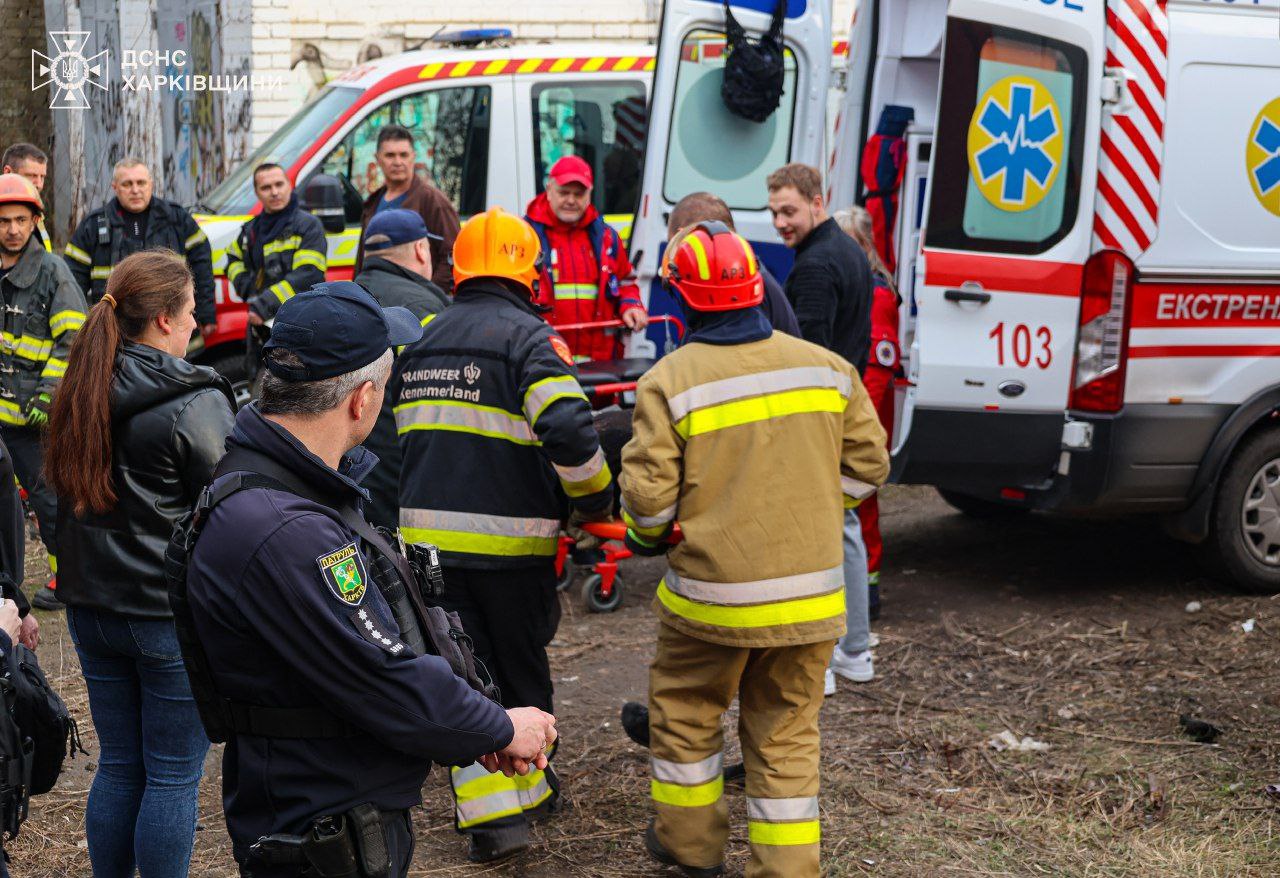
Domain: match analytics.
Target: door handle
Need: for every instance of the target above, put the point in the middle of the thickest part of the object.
(966, 295)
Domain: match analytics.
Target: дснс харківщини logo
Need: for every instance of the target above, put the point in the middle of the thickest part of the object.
(69, 71)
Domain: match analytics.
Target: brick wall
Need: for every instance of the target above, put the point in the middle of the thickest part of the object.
(309, 42)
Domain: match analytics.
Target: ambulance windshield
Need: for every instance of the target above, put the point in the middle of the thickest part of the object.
(234, 195)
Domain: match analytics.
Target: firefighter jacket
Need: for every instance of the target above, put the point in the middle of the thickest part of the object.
(752, 447)
(495, 432)
(43, 310)
(270, 262)
(100, 243)
(586, 277)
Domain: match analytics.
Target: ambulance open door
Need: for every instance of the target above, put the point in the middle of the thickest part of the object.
(696, 144)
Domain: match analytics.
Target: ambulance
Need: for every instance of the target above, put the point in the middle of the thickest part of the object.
(1085, 225)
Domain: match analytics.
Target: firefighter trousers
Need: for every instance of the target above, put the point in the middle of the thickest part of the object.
(26, 450)
(511, 616)
(691, 684)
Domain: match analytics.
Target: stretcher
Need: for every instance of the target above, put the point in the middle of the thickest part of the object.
(602, 588)
(613, 382)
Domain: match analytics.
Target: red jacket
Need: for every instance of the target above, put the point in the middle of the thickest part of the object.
(885, 351)
(573, 284)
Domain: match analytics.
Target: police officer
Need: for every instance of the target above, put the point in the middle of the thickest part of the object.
(334, 719)
(278, 253)
(498, 444)
(134, 220)
(43, 310)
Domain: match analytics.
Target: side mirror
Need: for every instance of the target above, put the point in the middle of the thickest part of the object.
(322, 196)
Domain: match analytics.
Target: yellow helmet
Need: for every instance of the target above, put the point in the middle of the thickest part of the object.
(497, 244)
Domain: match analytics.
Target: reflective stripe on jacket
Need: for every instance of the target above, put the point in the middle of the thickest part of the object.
(293, 262)
(752, 448)
(495, 432)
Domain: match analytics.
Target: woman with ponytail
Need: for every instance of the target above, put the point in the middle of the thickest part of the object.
(134, 436)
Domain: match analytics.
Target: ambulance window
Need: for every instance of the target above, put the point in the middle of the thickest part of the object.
(711, 149)
(1006, 174)
(602, 123)
(450, 129)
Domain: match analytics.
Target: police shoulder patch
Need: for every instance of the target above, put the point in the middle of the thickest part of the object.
(344, 572)
(562, 349)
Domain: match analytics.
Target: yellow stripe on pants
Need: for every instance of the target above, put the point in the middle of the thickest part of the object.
(481, 797)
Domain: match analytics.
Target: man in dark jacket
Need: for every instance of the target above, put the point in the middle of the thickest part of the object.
(280, 252)
(397, 271)
(498, 444)
(403, 188)
(830, 286)
(135, 220)
(337, 712)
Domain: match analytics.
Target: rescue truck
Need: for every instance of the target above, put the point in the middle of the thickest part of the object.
(1085, 222)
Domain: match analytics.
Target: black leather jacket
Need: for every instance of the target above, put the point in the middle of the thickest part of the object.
(170, 420)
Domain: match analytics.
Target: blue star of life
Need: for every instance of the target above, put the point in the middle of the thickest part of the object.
(1267, 173)
(1019, 138)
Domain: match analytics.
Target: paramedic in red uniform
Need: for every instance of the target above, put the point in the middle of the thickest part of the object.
(587, 276)
(883, 365)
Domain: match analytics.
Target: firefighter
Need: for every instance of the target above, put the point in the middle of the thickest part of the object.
(280, 252)
(498, 446)
(31, 162)
(135, 220)
(754, 440)
(43, 310)
(587, 276)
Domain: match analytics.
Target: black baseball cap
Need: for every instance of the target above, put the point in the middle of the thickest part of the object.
(335, 328)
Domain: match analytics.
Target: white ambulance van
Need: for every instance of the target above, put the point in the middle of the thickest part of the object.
(1087, 241)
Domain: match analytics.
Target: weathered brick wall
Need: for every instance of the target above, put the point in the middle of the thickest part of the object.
(24, 114)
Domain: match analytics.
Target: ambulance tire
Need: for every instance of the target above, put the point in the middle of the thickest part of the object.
(593, 597)
(976, 507)
(1253, 467)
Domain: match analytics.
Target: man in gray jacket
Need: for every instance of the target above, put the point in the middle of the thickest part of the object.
(397, 271)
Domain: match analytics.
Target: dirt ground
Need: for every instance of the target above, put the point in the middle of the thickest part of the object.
(1073, 633)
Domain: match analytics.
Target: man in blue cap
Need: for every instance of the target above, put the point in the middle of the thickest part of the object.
(397, 270)
(333, 712)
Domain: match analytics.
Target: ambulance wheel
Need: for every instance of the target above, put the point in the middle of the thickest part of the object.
(567, 575)
(1244, 533)
(976, 507)
(593, 597)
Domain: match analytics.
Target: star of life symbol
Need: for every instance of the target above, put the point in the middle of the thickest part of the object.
(1267, 173)
(1020, 137)
(68, 70)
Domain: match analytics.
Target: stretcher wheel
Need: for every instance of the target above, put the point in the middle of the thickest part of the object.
(567, 575)
(593, 597)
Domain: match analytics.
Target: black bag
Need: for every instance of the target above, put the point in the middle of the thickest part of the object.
(754, 69)
(43, 717)
(15, 765)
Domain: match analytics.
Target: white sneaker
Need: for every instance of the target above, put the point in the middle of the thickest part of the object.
(858, 668)
(829, 684)
(873, 640)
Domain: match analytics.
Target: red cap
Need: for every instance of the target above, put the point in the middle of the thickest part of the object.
(571, 169)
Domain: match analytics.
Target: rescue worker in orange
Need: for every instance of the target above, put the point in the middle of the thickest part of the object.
(883, 366)
(587, 276)
(754, 440)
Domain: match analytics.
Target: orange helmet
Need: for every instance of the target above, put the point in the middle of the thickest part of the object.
(713, 269)
(497, 244)
(17, 189)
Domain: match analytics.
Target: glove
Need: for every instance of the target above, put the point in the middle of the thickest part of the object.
(581, 539)
(642, 547)
(37, 413)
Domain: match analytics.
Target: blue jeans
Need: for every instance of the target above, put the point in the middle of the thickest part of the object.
(857, 615)
(142, 805)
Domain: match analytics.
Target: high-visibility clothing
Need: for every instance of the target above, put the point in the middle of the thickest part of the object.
(691, 684)
(587, 277)
(266, 274)
(752, 447)
(884, 365)
(496, 434)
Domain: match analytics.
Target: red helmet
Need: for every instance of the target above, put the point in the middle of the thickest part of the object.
(713, 269)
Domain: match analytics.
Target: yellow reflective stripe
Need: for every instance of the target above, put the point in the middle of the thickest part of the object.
(757, 384)
(542, 393)
(235, 268)
(814, 609)
(805, 832)
(483, 786)
(428, 319)
(309, 257)
(195, 239)
(463, 417)
(65, 321)
(281, 244)
(282, 290)
(482, 797)
(481, 544)
(751, 256)
(576, 291)
(100, 272)
(78, 255)
(11, 414)
(480, 534)
(655, 526)
(699, 796)
(532, 789)
(760, 408)
(54, 368)
(700, 254)
(28, 347)
(590, 485)
(780, 588)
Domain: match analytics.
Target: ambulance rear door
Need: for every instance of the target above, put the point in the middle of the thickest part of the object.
(1007, 230)
(696, 144)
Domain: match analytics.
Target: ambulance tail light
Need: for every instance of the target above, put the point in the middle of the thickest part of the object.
(1103, 340)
